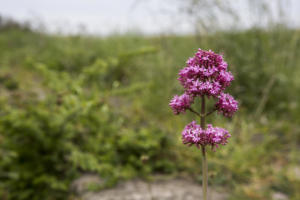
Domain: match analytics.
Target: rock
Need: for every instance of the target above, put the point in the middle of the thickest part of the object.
(279, 196)
(82, 184)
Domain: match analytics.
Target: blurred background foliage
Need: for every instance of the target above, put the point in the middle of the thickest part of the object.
(76, 104)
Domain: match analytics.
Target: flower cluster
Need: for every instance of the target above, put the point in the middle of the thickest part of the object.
(226, 105)
(180, 103)
(205, 74)
(194, 134)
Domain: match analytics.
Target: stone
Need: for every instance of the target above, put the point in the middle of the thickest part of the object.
(82, 184)
(279, 196)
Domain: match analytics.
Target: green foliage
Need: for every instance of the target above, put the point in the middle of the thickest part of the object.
(71, 105)
(66, 129)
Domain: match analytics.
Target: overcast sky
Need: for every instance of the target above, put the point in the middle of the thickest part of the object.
(107, 16)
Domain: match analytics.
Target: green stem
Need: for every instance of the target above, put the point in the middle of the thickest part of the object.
(202, 116)
(195, 112)
(204, 173)
(204, 161)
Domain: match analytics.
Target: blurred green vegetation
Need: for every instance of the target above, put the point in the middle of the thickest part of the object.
(76, 104)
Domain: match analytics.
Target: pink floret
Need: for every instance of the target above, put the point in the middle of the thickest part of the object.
(180, 103)
(226, 105)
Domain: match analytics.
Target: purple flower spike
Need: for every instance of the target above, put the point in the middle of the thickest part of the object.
(205, 76)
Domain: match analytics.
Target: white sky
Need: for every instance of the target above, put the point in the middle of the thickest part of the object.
(107, 16)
